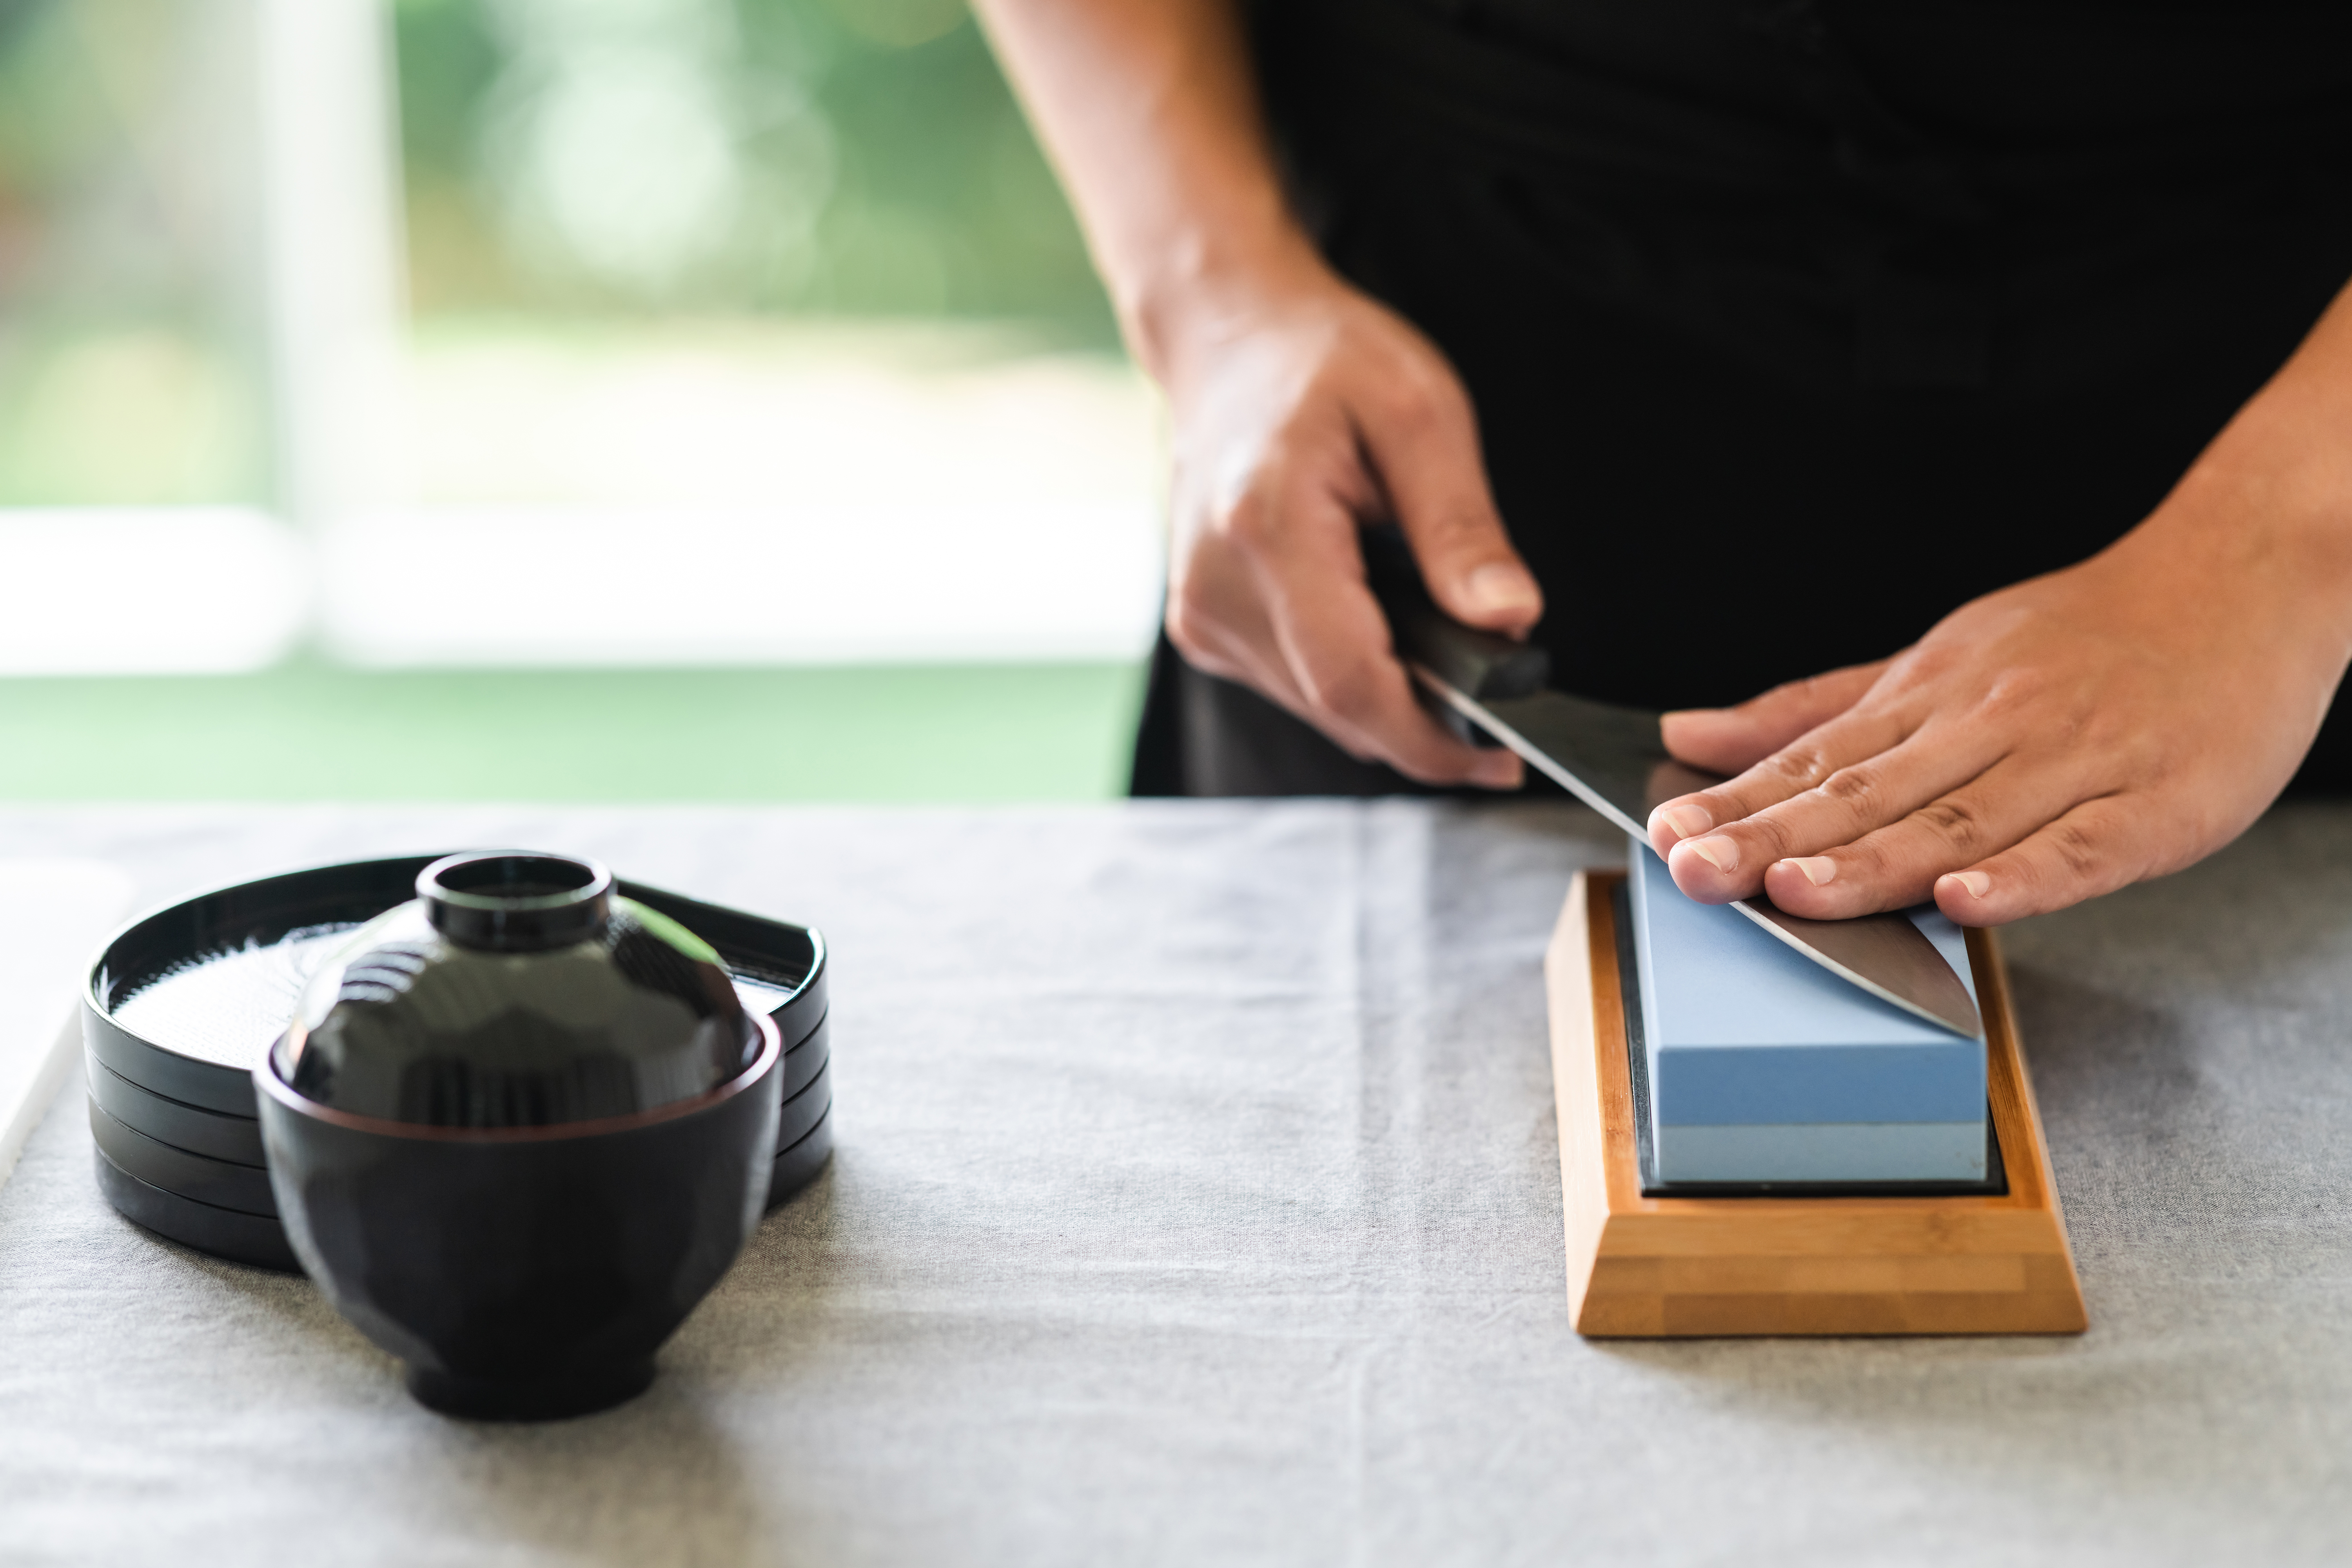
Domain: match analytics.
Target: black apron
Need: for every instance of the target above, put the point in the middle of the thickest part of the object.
(1844, 314)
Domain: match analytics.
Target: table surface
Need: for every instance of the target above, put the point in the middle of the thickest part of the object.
(1196, 1200)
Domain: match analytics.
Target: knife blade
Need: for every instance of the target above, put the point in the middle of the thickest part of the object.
(1614, 760)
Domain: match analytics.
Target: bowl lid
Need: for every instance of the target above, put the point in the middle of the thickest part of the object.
(517, 990)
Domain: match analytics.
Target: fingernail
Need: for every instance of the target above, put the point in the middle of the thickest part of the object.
(1499, 588)
(1686, 821)
(1720, 853)
(1977, 883)
(1819, 869)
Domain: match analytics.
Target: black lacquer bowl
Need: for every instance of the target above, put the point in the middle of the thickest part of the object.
(517, 1130)
(185, 999)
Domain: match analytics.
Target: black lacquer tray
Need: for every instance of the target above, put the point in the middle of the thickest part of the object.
(182, 1003)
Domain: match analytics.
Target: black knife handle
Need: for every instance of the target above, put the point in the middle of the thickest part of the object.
(1479, 664)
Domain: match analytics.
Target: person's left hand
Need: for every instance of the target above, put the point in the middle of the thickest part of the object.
(2041, 745)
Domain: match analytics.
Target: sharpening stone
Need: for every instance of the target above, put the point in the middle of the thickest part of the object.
(1764, 1066)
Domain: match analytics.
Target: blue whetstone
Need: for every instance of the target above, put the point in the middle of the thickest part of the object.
(1764, 1067)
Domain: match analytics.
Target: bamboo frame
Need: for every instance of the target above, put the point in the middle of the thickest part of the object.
(1643, 1266)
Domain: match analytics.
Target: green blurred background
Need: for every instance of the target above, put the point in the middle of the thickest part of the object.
(570, 167)
(883, 167)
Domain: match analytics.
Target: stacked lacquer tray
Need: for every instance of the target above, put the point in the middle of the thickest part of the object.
(181, 1003)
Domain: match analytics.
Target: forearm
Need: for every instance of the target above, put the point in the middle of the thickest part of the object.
(2270, 500)
(1149, 110)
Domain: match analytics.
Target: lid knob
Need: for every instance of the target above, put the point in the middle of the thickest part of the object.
(505, 902)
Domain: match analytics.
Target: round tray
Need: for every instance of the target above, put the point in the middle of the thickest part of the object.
(238, 1139)
(167, 1189)
(797, 1166)
(802, 1062)
(183, 1001)
(257, 1239)
(805, 1110)
(214, 1134)
(198, 1177)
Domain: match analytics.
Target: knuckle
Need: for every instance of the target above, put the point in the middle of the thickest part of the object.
(2141, 753)
(1250, 522)
(1722, 812)
(1411, 382)
(1770, 833)
(1799, 767)
(1184, 630)
(1419, 408)
(1856, 788)
(1720, 805)
(2076, 849)
(1457, 539)
(1956, 821)
(1351, 689)
(1927, 662)
(1407, 407)
(1874, 858)
(1192, 621)
(2013, 691)
(1212, 656)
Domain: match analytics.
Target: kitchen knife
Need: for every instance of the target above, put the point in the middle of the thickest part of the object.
(1614, 760)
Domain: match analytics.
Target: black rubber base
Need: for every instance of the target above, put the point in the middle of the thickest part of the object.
(479, 1399)
(255, 1239)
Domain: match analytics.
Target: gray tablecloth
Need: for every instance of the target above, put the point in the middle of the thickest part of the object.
(1196, 1201)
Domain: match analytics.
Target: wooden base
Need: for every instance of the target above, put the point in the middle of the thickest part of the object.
(1670, 1266)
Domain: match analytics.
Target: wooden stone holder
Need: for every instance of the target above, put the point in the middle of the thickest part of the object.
(1643, 1266)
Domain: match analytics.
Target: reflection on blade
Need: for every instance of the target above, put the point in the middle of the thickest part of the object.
(1603, 755)
(1613, 760)
(1885, 954)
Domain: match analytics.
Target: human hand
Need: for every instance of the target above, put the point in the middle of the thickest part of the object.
(1302, 409)
(2044, 744)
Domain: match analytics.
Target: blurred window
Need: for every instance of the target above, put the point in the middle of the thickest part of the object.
(130, 364)
(686, 331)
(856, 157)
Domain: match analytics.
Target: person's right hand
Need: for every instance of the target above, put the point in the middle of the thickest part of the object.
(1301, 410)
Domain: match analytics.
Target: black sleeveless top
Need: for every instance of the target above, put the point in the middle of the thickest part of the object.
(1847, 313)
